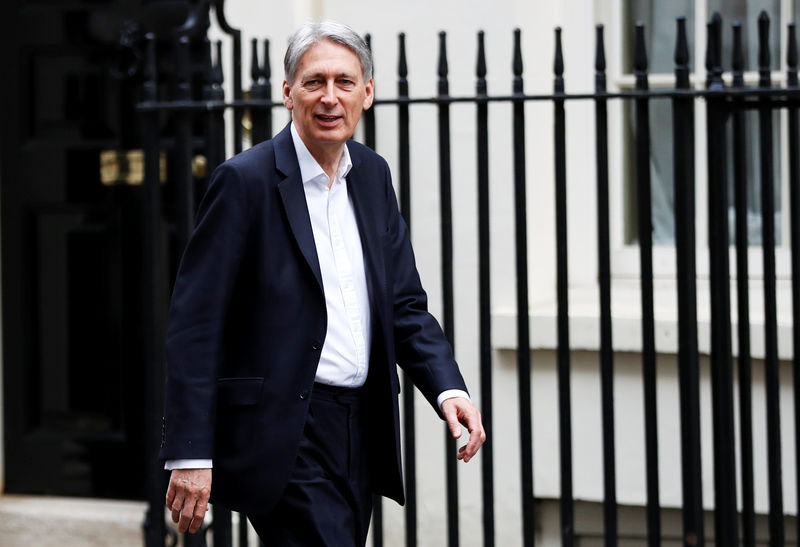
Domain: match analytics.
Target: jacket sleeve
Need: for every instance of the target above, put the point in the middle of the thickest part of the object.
(420, 345)
(200, 298)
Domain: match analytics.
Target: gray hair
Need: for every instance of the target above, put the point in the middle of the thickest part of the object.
(313, 33)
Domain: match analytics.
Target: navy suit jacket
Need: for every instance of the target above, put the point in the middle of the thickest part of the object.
(248, 320)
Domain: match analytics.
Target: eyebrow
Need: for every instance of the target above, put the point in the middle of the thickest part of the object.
(318, 75)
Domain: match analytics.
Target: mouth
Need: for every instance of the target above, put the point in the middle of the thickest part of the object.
(326, 119)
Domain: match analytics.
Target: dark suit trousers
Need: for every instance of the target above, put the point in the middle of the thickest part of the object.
(328, 500)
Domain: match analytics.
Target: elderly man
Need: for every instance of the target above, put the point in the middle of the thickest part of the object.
(296, 297)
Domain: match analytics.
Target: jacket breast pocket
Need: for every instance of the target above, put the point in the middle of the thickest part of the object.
(239, 391)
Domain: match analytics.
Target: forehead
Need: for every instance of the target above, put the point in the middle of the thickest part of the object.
(327, 56)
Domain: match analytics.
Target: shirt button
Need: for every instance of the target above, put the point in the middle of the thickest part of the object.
(315, 345)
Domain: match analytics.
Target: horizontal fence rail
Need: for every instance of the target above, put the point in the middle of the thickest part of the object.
(167, 210)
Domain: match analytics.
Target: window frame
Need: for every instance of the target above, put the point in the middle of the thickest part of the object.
(625, 256)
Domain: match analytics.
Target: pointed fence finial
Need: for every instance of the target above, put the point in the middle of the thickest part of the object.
(402, 65)
(208, 62)
(737, 59)
(368, 40)
(716, 19)
(444, 87)
(599, 60)
(517, 62)
(218, 74)
(150, 69)
(640, 58)
(558, 64)
(791, 56)
(255, 68)
(763, 50)
(480, 66)
(681, 55)
(713, 47)
(267, 67)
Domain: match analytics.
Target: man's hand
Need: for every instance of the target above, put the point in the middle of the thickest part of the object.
(457, 411)
(187, 497)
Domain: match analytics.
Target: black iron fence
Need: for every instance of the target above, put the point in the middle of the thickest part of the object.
(186, 125)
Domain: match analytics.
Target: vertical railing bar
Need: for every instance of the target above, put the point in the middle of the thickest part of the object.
(236, 58)
(562, 297)
(183, 147)
(794, 216)
(266, 71)
(523, 319)
(222, 527)
(685, 248)
(184, 188)
(725, 522)
(742, 297)
(369, 115)
(409, 420)
(772, 376)
(645, 235)
(258, 92)
(214, 91)
(604, 280)
(154, 296)
(244, 530)
(485, 294)
(446, 208)
(369, 141)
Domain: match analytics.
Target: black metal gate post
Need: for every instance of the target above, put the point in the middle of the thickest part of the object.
(604, 281)
(154, 296)
(726, 531)
(523, 317)
(645, 236)
(743, 295)
(562, 297)
(685, 248)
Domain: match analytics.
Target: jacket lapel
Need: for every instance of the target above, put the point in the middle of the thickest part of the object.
(294, 200)
(362, 192)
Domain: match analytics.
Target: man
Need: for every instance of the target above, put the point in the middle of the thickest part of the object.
(296, 296)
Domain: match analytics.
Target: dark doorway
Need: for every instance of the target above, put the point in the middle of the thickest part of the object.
(71, 251)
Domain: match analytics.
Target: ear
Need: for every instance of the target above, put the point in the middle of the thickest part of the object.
(369, 94)
(287, 95)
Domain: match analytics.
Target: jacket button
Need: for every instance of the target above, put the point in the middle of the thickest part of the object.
(315, 345)
(304, 395)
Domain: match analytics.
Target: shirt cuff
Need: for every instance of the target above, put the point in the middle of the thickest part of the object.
(449, 394)
(169, 465)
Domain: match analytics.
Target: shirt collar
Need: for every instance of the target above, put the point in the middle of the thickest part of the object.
(309, 168)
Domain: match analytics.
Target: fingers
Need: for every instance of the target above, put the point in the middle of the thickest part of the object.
(477, 436)
(187, 497)
(451, 416)
(461, 410)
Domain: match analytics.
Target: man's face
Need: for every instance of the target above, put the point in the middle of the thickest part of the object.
(327, 96)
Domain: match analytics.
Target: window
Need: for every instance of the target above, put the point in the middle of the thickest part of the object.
(660, 31)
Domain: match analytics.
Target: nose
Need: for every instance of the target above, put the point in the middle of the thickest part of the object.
(329, 94)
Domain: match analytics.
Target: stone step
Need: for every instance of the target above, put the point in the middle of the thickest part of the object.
(45, 521)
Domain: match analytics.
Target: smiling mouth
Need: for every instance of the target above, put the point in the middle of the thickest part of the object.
(324, 118)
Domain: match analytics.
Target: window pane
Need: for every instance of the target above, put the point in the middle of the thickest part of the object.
(753, 167)
(746, 12)
(661, 184)
(658, 17)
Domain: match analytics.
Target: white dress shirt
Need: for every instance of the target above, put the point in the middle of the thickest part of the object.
(345, 352)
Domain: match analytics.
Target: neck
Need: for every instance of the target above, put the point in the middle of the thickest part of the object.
(328, 158)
